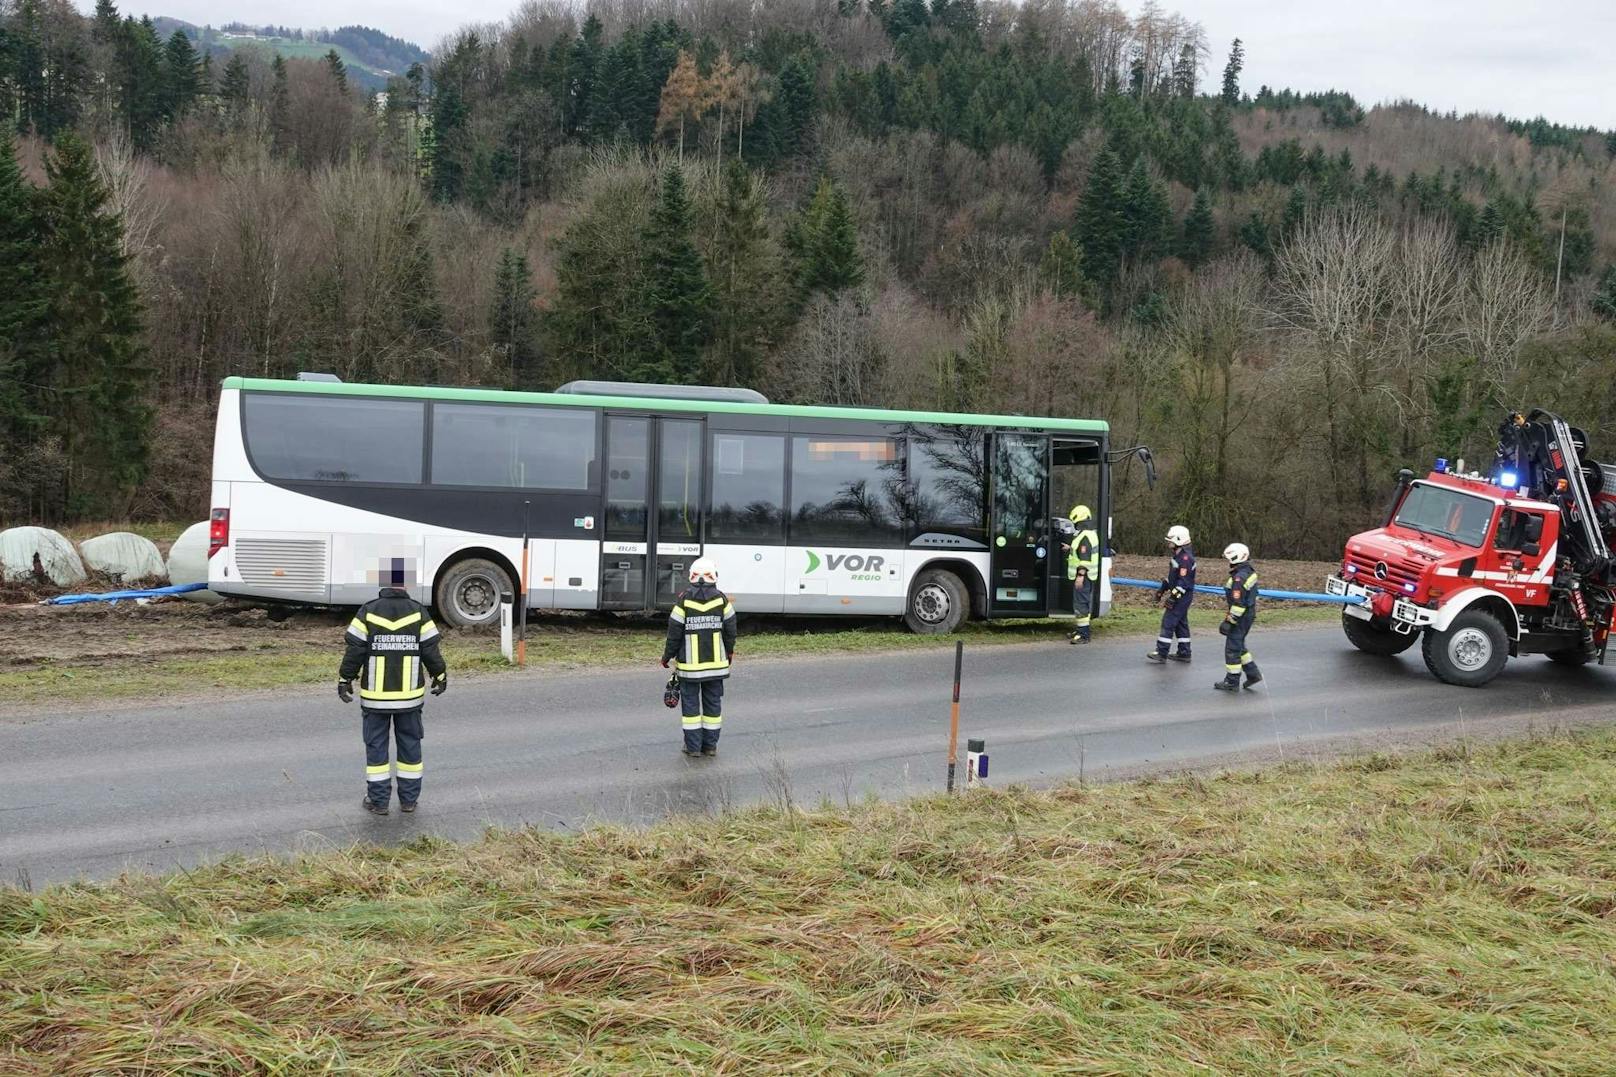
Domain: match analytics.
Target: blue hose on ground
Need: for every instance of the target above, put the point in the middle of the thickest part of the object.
(118, 596)
(1262, 592)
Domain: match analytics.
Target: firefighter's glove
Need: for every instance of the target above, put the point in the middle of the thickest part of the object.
(1225, 626)
(1175, 594)
(440, 684)
(345, 691)
(664, 663)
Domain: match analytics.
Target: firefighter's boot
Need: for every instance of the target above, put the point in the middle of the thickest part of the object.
(1253, 675)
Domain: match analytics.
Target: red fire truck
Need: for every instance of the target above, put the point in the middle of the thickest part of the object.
(1479, 568)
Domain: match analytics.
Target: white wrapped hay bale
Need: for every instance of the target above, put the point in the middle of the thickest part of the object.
(124, 556)
(22, 547)
(188, 562)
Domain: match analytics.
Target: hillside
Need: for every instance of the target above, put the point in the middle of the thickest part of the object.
(371, 56)
(1055, 209)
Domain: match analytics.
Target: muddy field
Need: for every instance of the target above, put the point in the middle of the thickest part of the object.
(32, 635)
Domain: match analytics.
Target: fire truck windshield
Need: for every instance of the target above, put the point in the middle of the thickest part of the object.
(1436, 510)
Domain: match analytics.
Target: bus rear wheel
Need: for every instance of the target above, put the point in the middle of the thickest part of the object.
(938, 603)
(468, 593)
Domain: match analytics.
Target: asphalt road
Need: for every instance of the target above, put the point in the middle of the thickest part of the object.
(153, 788)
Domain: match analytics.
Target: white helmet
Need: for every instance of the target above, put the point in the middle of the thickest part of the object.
(1178, 535)
(702, 570)
(1236, 552)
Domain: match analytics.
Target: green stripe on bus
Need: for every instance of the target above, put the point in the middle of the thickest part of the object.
(316, 388)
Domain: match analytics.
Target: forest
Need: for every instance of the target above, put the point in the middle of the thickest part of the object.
(1049, 208)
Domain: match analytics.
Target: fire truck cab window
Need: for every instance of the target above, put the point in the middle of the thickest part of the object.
(1435, 510)
(1517, 530)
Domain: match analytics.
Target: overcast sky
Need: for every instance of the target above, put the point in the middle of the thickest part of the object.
(1520, 57)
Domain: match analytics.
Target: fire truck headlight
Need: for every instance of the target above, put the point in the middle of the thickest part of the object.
(1352, 568)
(1409, 587)
(1507, 480)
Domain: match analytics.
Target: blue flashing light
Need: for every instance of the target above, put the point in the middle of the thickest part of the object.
(1441, 465)
(1507, 480)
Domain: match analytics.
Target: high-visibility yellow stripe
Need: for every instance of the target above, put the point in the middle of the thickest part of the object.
(376, 768)
(407, 693)
(1245, 659)
(678, 613)
(413, 770)
(1232, 668)
(703, 607)
(1238, 611)
(729, 611)
(359, 628)
(394, 626)
(692, 721)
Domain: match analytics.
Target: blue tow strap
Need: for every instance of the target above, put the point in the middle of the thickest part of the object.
(118, 596)
(1262, 592)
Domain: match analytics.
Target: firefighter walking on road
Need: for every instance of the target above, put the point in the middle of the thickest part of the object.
(1082, 568)
(1176, 594)
(701, 642)
(1240, 591)
(393, 649)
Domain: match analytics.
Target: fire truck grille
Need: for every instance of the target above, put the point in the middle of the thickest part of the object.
(1389, 574)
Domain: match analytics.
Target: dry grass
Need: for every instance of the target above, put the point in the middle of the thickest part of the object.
(1451, 913)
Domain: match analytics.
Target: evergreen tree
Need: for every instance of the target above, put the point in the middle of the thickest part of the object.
(746, 277)
(1295, 212)
(1101, 224)
(513, 321)
(1604, 302)
(145, 90)
(235, 88)
(182, 76)
(1061, 270)
(24, 305)
(1231, 73)
(98, 374)
(1184, 71)
(824, 241)
(1199, 229)
(280, 107)
(678, 297)
(450, 116)
(1145, 212)
(1255, 235)
(337, 70)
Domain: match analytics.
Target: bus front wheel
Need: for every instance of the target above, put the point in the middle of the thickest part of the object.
(468, 593)
(938, 602)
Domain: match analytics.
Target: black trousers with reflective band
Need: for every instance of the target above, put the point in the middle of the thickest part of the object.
(407, 730)
(702, 705)
(1236, 656)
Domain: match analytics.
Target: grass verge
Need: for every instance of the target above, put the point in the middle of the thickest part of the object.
(553, 643)
(1453, 912)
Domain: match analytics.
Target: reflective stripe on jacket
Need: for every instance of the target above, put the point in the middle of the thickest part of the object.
(393, 649)
(1240, 591)
(701, 633)
(1084, 554)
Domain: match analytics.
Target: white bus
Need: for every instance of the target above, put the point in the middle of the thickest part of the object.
(322, 491)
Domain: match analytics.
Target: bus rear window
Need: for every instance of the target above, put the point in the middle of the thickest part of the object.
(525, 448)
(301, 437)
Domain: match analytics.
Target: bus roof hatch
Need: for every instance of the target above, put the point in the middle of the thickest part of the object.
(664, 392)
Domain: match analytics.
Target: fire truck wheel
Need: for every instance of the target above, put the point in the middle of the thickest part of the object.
(1471, 652)
(1371, 638)
(1576, 657)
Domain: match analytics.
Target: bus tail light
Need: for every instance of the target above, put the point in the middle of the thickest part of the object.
(218, 531)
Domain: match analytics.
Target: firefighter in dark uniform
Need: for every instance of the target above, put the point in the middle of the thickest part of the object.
(1176, 594)
(701, 642)
(1241, 593)
(393, 650)
(1082, 568)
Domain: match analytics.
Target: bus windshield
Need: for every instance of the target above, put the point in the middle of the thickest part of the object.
(1436, 510)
